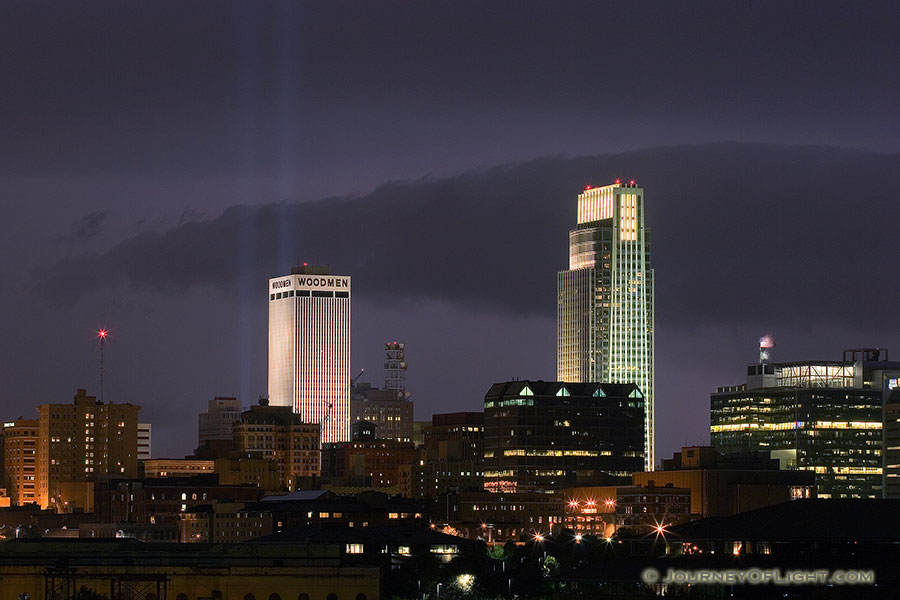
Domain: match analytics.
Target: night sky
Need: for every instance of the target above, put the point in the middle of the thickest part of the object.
(160, 161)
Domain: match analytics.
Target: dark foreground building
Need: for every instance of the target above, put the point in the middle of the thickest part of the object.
(726, 484)
(130, 570)
(547, 435)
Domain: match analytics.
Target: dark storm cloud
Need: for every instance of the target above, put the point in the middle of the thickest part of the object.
(85, 228)
(760, 234)
(198, 87)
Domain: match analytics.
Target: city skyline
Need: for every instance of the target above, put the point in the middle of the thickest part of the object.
(155, 175)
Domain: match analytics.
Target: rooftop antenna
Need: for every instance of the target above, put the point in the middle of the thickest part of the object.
(101, 335)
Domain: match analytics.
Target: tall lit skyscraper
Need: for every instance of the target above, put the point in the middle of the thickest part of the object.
(309, 348)
(605, 298)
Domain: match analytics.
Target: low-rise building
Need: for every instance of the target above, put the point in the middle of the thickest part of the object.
(249, 468)
(177, 467)
(223, 523)
(498, 518)
(723, 485)
(298, 570)
(162, 500)
(366, 461)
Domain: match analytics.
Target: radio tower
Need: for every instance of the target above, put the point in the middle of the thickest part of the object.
(101, 335)
(395, 369)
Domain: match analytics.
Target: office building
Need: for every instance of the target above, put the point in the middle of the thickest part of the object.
(145, 446)
(891, 444)
(309, 348)
(390, 408)
(277, 433)
(392, 416)
(727, 484)
(79, 442)
(453, 457)
(216, 423)
(605, 315)
(20, 443)
(819, 416)
(366, 461)
(547, 435)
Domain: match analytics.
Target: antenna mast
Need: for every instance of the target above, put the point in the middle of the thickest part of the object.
(102, 335)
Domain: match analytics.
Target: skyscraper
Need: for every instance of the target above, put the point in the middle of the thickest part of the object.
(309, 348)
(605, 298)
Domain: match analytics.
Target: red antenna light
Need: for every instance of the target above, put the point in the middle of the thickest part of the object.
(102, 333)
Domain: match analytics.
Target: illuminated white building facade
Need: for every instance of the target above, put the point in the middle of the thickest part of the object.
(309, 348)
(605, 298)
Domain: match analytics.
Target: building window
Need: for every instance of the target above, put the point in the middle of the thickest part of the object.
(354, 549)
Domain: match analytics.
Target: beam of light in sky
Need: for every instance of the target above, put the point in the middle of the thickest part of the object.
(248, 25)
(288, 105)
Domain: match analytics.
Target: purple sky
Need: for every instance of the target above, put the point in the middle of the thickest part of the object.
(159, 162)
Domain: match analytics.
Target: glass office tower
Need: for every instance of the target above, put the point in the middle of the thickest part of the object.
(605, 298)
(821, 416)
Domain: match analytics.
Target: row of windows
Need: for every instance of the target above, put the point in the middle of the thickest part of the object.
(307, 293)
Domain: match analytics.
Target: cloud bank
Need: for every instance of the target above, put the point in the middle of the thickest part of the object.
(740, 233)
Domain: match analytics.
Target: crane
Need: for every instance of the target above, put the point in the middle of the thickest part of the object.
(355, 379)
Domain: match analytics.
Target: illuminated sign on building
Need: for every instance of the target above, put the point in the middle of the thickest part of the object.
(324, 283)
